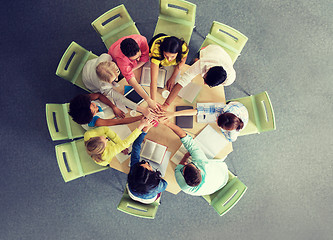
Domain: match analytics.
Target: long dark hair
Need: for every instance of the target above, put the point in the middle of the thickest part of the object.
(141, 180)
(172, 45)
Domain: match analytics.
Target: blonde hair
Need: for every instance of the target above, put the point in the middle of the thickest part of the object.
(95, 147)
(107, 71)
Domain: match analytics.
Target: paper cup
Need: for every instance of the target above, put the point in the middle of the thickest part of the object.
(133, 113)
(165, 93)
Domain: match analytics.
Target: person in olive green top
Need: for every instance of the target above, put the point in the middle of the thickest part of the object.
(103, 144)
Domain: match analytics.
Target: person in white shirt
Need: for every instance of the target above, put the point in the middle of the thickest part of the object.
(214, 65)
(100, 74)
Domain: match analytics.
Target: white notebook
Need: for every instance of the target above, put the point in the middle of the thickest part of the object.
(145, 77)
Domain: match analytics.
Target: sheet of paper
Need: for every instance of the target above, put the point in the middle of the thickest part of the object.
(190, 92)
(212, 141)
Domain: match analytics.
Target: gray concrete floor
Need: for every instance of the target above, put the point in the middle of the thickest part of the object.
(288, 172)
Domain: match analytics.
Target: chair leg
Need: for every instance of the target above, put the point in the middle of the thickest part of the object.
(233, 166)
(195, 30)
(240, 88)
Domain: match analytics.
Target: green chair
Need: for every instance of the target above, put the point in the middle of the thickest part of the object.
(177, 18)
(114, 24)
(261, 114)
(72, 62)
(227, 197)
(231, 40)
(74, 161)
(60, 124)
(129, 206)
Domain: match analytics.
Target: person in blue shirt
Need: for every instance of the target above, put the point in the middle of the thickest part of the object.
(144, 184)
(85, 111)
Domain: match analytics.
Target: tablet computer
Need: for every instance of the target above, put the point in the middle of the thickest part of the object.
(134, 96)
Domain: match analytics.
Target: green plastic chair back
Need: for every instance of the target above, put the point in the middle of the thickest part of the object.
(72, 62)
(228, 196)
(74, 161)
(231, 40)
(129, 206)
(114, 24)
(177, 18)
(261, 113)
(60, 124)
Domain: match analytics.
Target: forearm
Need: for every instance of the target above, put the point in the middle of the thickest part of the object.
(106, 101)
(177, 130)
(175, 73)
(153, 82)
(187, 112)
(117, 97)
(140, 64)
(138, 88)
(173, 94)
(112, 122)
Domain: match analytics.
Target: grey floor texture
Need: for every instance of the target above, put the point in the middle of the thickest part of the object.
(288, 171)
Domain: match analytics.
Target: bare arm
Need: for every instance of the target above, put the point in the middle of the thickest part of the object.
(111, 122)
(140, 64)
(171, 82)
(177, 130)
(153, 82)
(138, 88)
(173, 94)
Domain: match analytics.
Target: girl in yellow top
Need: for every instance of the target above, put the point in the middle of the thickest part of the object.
(103, 144)
(166, 51)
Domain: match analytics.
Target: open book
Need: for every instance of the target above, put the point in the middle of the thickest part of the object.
(153, 151)
(179, 155)
(209, 141)
(145, 77)
(208, 112)
(190, 92)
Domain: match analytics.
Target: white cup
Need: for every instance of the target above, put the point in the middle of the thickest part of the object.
(165, 93)
(133, 113)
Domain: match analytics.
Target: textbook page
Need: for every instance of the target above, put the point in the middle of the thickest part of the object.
(148, 149)
(163, 166)
(190, 92)
(178, 156)
(123, 132)
(158, 153)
